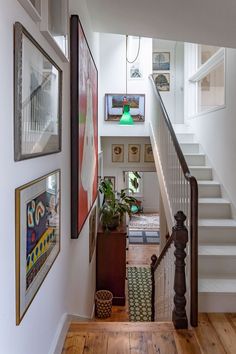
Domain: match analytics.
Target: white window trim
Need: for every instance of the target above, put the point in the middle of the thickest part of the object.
(199, 73)
(208, 66)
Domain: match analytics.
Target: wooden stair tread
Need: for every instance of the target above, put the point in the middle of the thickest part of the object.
(121, 326)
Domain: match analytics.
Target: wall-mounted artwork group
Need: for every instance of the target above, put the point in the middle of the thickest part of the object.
(161, 67)
(134, 153)
(84, 128)
(114, 106)
(37, 236)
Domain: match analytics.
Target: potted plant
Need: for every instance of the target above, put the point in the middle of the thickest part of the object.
(115, 204)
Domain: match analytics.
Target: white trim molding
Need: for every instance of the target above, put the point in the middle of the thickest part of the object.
(208, 66)
(34, 13)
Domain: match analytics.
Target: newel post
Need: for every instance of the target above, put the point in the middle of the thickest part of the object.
(153, 264)
(180, 232)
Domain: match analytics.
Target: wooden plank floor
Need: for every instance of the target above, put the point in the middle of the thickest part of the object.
(216, 334)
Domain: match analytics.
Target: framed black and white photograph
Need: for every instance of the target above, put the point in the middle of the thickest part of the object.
(134, 152)
(148, 153)
(135, 71)
(161, 61)
(114, 106)
(162, 81)
(117, 152)
(38, 93)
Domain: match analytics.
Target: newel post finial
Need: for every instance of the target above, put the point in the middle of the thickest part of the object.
(180, 232)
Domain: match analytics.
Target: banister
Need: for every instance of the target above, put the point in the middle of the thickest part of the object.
(193, 222)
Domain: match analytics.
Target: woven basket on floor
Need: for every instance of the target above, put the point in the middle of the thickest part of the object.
(103, 303)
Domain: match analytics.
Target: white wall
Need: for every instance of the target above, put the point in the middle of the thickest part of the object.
(117, 169)
(216, 131)
(173, 99)
(69, 285)
(151, 192)
(113, 80)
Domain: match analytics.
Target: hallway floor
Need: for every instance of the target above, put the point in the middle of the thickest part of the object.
(216, 334)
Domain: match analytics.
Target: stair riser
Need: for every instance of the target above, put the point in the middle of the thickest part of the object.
(214, 211)
(189, 148)
(208, 191)
(215, 265)
(195, 160)
(185, 138)
(216, 235)
(202, 174)
(216, 302)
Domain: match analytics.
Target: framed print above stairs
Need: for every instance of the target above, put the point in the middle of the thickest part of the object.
(84, 128)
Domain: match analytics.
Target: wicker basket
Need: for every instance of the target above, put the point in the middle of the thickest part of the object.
(103, 303)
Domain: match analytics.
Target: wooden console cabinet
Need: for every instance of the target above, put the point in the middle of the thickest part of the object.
(111, 262)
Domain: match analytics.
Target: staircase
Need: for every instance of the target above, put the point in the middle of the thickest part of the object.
(216, 232)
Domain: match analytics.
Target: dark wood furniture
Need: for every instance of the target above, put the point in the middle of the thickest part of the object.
(111, 262)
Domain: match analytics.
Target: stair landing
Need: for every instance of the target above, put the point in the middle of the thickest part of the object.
(216, 334)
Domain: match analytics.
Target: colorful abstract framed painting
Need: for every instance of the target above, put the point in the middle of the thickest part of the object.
(84, 128)
(114, 106)
(37, 236)
(38, 98)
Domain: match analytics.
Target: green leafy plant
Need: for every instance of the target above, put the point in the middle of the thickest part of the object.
(115, 204)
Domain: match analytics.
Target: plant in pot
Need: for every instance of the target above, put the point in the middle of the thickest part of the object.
(115, 205)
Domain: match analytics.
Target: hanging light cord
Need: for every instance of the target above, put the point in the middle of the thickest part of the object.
(128, 61)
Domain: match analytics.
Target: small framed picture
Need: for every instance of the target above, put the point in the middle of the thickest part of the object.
(117, 152)
(148, 154)
(38, 97)
(37, 236)
(111, 179)
(114, 106)
(92, 232)
(162, 81)
(161, 61)
(134, 152)
(135, 71)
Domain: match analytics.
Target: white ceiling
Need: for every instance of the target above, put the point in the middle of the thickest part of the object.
(202, 21)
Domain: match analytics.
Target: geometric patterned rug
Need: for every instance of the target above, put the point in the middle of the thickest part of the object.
(139, 293)
(140, 237)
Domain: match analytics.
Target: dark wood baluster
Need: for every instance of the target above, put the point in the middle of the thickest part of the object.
(153, 267)
(180, 233)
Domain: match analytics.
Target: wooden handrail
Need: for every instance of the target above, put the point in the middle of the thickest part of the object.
(193, 215)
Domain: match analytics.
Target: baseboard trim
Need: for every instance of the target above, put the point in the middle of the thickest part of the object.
(62, 329)
(60, 336)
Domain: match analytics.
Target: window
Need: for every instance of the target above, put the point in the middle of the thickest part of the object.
(131, 177)
(205, 52)
(208, 79)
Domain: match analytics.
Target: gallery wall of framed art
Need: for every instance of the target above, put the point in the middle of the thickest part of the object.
(84, 128)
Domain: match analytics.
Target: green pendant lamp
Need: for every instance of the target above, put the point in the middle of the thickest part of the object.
(126, 118)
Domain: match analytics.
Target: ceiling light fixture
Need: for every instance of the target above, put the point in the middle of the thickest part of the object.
(126, 118)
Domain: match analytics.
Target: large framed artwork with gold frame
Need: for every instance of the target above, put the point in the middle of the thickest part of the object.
(37, 236)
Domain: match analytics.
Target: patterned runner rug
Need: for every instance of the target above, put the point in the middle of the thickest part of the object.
(140, 237)
(139, 293)
(144, 222)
